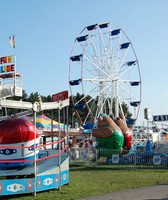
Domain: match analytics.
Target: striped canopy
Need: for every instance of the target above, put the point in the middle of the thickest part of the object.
(45, 122)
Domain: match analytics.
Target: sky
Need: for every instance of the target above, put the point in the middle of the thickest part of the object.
(45, 31)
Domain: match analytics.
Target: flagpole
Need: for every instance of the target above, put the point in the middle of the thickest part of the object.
(12, 43)
(15, 66)
(15, 74)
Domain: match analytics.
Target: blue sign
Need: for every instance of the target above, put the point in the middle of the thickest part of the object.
(160, 118)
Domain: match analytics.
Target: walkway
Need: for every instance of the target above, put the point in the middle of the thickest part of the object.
(157, 192)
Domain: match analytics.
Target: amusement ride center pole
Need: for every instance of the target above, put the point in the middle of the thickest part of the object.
(35, 166)
(116, 99)
(67, 142)
(59, 149)
(52, 129)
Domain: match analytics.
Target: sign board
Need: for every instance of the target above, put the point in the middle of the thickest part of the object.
(9, 84)
(60, 96)
(7, 68)
(147, 113)
(156, 160)
(6, 59)
(4, 66)
(115, 158)
(160, 118)
(18, 91)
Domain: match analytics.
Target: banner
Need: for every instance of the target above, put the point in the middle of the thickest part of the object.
(7, 68)
(160, 118)
(60, 96)
(7, 59)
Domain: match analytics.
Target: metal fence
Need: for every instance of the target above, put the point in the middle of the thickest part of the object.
(126, 159)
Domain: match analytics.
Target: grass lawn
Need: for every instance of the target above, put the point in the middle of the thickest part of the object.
(90, 181)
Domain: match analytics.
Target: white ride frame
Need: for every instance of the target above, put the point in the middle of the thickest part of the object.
(103, 66)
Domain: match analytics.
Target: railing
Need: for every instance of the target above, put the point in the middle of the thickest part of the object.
(126, 159)
(17, 155)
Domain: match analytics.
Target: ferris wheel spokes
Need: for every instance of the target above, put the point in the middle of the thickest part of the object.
(104, 68)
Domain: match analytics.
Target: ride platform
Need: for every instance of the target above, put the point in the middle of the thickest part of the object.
(49, 173)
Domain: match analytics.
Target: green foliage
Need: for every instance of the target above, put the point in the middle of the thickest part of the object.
(73, 115)
(33, 97)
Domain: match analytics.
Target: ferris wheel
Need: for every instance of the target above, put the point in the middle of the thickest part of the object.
(104, 69)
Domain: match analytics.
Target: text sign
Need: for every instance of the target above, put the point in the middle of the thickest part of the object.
(60, 96)
(6, 59)
(7, 68)
(160, 118)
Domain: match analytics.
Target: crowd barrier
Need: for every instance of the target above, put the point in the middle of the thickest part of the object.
(126, 159)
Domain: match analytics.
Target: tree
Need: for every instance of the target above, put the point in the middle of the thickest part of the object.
(74, 116)
(33, 97)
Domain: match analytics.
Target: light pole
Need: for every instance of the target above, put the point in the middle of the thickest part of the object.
(73, 119)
